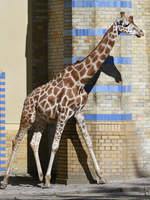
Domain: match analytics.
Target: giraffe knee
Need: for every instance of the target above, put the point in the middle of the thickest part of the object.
(14, 143)
(88, 141)
(55, 147)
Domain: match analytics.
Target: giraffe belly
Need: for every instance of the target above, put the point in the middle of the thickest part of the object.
(47, 114)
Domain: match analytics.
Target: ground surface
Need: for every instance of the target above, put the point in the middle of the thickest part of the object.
(24, 188)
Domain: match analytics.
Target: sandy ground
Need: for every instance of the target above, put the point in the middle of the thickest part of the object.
(25, 188)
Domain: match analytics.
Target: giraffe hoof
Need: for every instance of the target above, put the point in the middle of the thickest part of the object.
(46, 186)
(101, 181)
(3, 185)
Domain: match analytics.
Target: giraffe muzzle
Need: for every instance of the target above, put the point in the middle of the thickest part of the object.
(140, 34)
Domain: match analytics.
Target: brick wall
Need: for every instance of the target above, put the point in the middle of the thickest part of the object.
(116, 115)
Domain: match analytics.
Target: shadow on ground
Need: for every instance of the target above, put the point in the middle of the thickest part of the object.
(21, 180)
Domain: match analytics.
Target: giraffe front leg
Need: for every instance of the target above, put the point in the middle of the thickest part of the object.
(35, 147)
(80, 120)
(61, 122)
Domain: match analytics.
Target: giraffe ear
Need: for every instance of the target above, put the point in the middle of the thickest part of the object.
(122, 14)
(131, 19)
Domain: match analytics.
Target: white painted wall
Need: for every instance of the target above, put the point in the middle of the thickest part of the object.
(13, 27)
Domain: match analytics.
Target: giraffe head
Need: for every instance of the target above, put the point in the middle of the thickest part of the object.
(126, 25)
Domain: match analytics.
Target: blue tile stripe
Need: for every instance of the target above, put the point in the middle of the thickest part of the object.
(2, 75)
(98, 4)
(2, 142)
(2, 102)
(2, 155)
(110, 88)
(2, 162)
(2, 95)
(117, 60)
(2, 168)
(2, 148)
(2, 135)
(88, 32)
(2, 128)
(2, 89)
(2, 122)
(2, 83)
(2, 108)
(2, 115)
(108, 117)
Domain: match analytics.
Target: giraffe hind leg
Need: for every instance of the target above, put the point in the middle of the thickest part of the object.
(15, 145)
(25, 124)
(82, 127)
(35, 147)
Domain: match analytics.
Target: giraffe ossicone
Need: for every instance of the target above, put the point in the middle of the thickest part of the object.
(64, 97)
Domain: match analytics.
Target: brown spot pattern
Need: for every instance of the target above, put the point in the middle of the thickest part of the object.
(87, 61)
(51, 100)
(82, 72)
(61, 93)
(64, 101)
(60, 85)
(91, 71)
(111, 43)
(107, 51)
(79, 67)
(68, 82)
(50, 90)
(76, 90)
(101, 49)
(95, 59)
(102, 57)
(56, 90)
(98, 64)
(69, 68)
(69, 93)
(75, 75)
(43, 97)
(84, 80)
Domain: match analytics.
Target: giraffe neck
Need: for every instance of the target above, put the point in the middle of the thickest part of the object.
(91, 64)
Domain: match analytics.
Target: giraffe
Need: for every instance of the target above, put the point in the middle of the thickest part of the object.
(64, 97)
